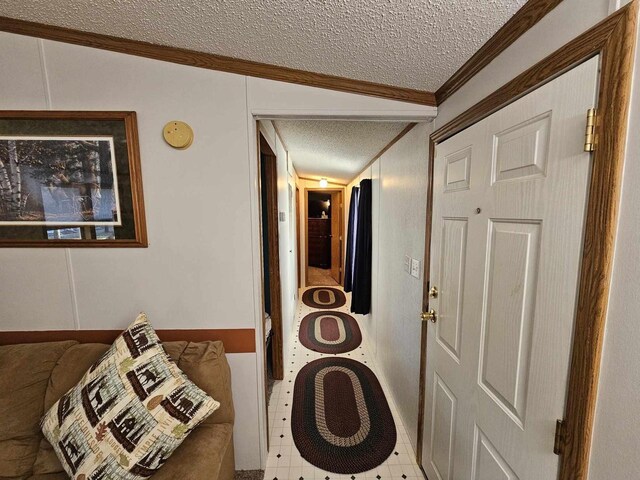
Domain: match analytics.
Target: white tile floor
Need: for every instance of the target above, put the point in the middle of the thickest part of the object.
(284, 461)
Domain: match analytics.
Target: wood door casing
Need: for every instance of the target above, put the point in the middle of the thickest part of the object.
(298, 237)
(306, 226)
(336, 236)
(274, 257)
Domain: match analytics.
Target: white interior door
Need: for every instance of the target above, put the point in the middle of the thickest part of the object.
(508, 216)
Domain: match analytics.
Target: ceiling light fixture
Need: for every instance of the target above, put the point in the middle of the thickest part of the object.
(323, 182)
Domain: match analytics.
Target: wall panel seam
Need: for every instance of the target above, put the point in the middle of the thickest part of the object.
(46, 85)
(45, 75)
(72, 289)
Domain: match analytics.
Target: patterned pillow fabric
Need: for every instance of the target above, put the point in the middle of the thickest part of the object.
(129, 412)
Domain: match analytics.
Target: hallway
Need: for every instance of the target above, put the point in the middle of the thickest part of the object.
(321, 277)
(284, 461)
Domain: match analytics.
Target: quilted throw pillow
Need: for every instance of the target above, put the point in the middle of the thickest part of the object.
(129, 412)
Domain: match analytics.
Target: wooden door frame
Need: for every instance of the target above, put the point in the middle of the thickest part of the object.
(274, 256)
(613, 40)
(306, 231)
(298, 261)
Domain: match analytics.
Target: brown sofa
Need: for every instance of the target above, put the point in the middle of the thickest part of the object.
(34, 376)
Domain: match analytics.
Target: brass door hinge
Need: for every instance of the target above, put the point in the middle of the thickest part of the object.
(590, 132)
(558, 443)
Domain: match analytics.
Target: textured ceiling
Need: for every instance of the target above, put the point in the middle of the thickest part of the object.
(408, 43)
(337, 150)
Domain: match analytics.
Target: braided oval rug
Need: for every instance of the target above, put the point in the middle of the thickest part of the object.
(341, 421)
(324, 297)
(330, 332)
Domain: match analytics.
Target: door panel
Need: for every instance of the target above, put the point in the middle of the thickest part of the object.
(521, 151)
(458, 166)
(508, 216)
(487, 462)
(443, 431)
(453, 248)
(512, 266)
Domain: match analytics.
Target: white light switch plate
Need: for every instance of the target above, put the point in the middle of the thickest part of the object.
(407, 263)
(415, 268)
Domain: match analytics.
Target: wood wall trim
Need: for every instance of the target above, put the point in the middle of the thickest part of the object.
(617, 58)
(395, 140)
(236, 340)
(298, 261)
(215, 62)
(614, 40)
(587, 45)
(531, 13)
(425, 303)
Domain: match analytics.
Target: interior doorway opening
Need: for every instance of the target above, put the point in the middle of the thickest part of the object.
(324, 218)
(330, 155)
(272, 308)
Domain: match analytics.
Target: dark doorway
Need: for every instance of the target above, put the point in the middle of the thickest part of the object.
(324, 225)
(319, 217)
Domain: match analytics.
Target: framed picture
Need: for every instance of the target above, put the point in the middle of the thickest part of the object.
(70, 179)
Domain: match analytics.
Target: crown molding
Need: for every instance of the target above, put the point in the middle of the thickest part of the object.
(531, 13)
(215, 62)
(395, 140)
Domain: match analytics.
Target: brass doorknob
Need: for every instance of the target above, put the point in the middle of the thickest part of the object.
(430, 315)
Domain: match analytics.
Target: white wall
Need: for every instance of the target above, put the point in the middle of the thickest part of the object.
(202, 267)
(403, 204)
(393, 328)
(186, 278)
(617, 426)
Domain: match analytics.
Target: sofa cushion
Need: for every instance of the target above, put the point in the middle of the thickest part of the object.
(206, 365)
(23, 382)
(201, 455)
(129, 412)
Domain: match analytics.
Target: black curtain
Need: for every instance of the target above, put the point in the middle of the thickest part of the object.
(351, 239)
(361, 288)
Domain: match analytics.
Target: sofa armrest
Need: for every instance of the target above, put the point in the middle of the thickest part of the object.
(206, 454)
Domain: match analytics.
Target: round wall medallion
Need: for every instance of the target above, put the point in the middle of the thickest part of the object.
(178, 134)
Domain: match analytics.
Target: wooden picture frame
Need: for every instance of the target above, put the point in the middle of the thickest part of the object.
(70, 179)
